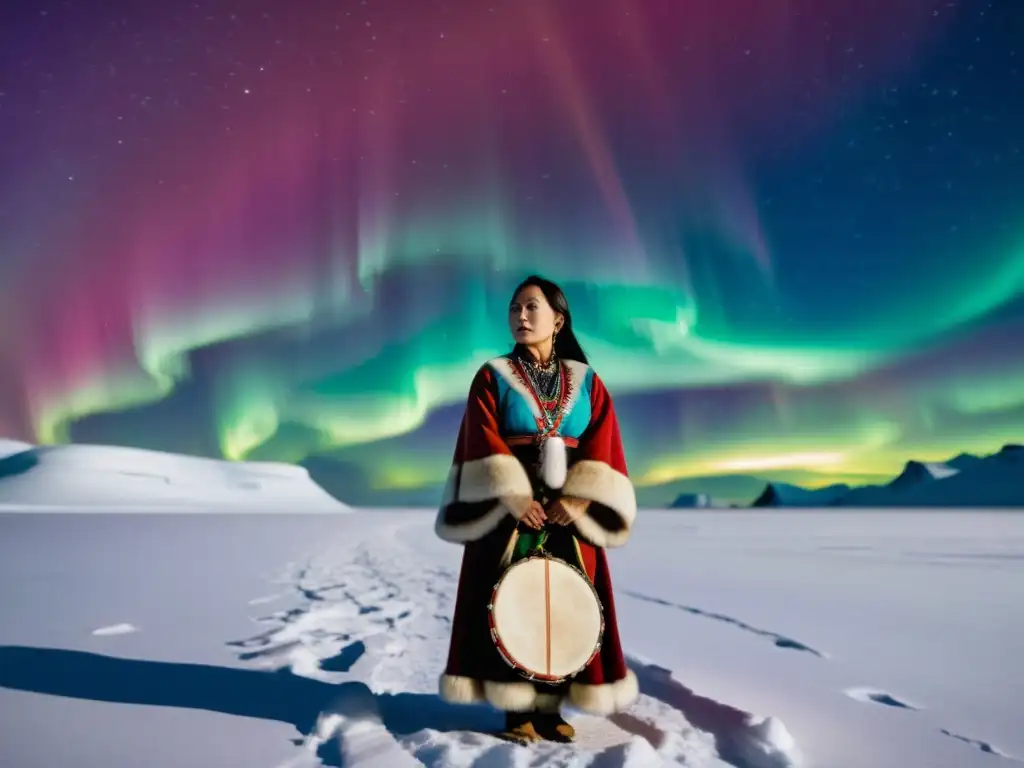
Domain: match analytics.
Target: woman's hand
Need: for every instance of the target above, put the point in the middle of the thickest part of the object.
(535, 516)
(562, 514)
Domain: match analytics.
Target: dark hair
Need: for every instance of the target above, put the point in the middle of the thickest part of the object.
(567, 347)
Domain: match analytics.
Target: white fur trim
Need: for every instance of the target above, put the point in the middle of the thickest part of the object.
(577, 375)
(597, 482)
(474, 530)
(598, 535)
(460, 690)
(605, 699)
(504, 367)
(553, 462)
(493, 477)
(500, 477)
(574, 506)
(510, 697)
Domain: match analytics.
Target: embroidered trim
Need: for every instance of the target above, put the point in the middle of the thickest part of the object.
(570, 442)
(566, 392)
(577, 378)
(507, 370)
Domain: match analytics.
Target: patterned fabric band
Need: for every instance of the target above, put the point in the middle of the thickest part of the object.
(570, 442)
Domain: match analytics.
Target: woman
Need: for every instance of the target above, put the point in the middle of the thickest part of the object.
(498, 498)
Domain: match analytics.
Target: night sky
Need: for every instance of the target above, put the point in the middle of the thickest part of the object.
(791, 231)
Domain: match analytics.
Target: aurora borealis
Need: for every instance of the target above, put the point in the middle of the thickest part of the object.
(792, 235)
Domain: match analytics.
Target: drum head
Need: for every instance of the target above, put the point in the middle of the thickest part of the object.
(547, 618)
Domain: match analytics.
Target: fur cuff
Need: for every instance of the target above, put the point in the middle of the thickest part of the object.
(488, 489)
(509, 697)
(605, 699)
(472, 529)
(609, 517)
(456, 689)
(498, 476)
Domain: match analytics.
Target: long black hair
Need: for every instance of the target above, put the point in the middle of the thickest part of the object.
(567, 346)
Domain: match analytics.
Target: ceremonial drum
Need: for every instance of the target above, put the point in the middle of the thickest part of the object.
(546, 619)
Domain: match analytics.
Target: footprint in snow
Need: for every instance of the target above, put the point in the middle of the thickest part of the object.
(876, 696)
(873, 695)
(780, 641)
(984, 746)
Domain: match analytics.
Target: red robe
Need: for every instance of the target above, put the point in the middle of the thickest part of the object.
(489, 489)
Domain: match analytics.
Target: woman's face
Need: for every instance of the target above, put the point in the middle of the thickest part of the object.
(531, 319)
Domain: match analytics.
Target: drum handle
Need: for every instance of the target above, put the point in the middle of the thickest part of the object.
(540, 543)
(513, 538)
(506, 558)
(521, 527)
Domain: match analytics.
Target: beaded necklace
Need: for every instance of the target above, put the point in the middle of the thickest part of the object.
(546, 382)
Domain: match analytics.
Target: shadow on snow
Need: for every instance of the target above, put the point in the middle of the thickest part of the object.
(288, 698)
(267, 695)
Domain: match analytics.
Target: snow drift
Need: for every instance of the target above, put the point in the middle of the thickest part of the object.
(94, 476)
(10, 447)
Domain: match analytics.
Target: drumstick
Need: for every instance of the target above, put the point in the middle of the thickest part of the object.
(547, 612)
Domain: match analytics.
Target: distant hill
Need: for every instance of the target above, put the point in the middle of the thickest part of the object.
(786, 495)
(992, 481)
(118, 477)
(112, 477)
(963, 481)
(915, 472)
(693, 501)
(11, 447)
(723, 489)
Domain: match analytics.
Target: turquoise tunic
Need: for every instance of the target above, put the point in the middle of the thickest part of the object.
(518, 409)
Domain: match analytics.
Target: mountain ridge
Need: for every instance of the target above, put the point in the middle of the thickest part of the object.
(965, 480)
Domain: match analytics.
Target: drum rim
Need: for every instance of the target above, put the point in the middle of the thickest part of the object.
(503, 651)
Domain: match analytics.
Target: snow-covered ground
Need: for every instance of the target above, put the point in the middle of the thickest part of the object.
(879, 640)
